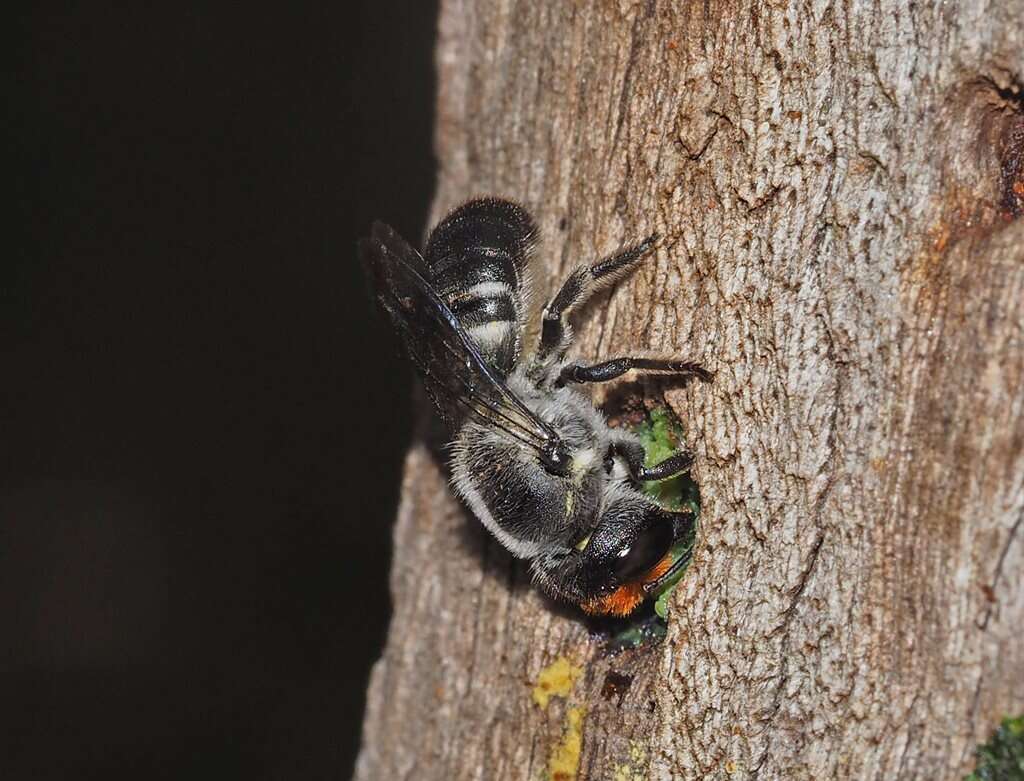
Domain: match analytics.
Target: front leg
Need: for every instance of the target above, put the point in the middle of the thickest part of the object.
(633, 454)
(616, 367)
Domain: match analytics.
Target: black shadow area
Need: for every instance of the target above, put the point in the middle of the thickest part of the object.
(201, 416)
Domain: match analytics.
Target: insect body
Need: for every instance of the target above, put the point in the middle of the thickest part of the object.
(532, 457)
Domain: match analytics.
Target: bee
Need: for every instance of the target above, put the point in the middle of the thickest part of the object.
(532, 457)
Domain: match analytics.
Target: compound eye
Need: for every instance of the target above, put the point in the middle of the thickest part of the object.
(555, 459)
(648, 548)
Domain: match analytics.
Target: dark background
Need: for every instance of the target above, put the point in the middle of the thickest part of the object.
(203, 419)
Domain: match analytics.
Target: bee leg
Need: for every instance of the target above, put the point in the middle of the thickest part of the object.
(616, 367)
(633, 454)
(582, 284)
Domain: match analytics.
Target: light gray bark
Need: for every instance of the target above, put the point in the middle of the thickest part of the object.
(836, 185)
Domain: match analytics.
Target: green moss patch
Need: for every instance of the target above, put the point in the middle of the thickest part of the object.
(1002, 758)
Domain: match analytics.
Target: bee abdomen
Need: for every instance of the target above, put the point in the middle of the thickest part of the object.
(489, 314)
(477, 258)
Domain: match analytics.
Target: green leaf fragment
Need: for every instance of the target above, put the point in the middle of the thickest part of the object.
(646, 631)
(662, 436)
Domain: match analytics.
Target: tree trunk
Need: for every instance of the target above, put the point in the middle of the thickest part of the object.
(837, 188)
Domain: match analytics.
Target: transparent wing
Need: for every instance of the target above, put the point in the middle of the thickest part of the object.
(455, 376)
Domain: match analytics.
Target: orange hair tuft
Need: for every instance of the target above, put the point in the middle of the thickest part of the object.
(624, 599)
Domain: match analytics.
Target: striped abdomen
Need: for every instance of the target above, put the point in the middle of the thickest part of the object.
(477, 258)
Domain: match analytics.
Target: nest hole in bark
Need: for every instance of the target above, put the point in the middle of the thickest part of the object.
(663, 434)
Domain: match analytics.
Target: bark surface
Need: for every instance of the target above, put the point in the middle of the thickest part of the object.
(837, 187)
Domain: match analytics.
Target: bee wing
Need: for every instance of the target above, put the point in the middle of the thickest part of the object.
(457, 379)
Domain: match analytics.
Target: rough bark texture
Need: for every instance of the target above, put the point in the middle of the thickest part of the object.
(837, 187)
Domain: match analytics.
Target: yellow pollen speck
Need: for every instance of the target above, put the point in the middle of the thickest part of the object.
(555, 680)
(636, 768)
(565, 759)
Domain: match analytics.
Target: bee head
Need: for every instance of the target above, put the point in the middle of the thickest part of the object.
(628, 556)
